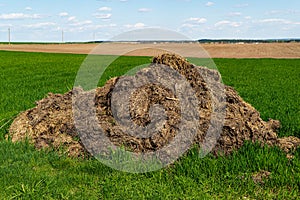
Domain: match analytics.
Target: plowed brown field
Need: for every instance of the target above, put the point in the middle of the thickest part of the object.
(268, 50)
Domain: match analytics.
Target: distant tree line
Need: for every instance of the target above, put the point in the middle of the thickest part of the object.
(247, 41)
(221, 41)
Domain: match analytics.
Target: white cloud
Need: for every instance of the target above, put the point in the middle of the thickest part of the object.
(40, 25)
(72, 18)
(91, 27)
(196, 20)
(123, 0)
(210, 3)
(280, 21)
(81, 23)
(63, 14)
(5, 25)
(282, 12)
(105, 9)
(242, 5)
(103, 16)
(100, 26)
(223, 22)
(273, 20)
(228, 23)
(20, 16)
(248, 17)
(188, 25)
(234, 14)
(28, 8)
(193, 22)
(144, 10)
(137, 25)
(274, 12)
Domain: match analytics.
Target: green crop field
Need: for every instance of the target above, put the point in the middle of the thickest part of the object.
(270, 85)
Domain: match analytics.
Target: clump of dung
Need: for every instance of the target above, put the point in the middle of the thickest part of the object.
(51, 122)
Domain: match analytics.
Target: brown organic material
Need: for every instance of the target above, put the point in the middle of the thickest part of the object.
(51, 122)
(289, 144)
(261, 176)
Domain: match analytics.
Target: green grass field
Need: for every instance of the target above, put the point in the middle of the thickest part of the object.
(270, 85)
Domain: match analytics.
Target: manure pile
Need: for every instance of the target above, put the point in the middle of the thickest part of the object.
(51, 122)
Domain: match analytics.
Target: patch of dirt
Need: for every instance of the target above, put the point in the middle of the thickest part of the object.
(261, 176)
(51, 122)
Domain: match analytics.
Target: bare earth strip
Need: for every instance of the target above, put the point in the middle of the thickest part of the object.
(268, 50)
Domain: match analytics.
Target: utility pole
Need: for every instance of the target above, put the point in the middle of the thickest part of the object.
(9, 38)
(62, 36)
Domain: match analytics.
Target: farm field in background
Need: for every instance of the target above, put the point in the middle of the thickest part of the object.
(215, 50)
(270, 85)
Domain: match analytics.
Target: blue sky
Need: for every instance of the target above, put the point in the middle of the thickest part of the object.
(85, 20)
